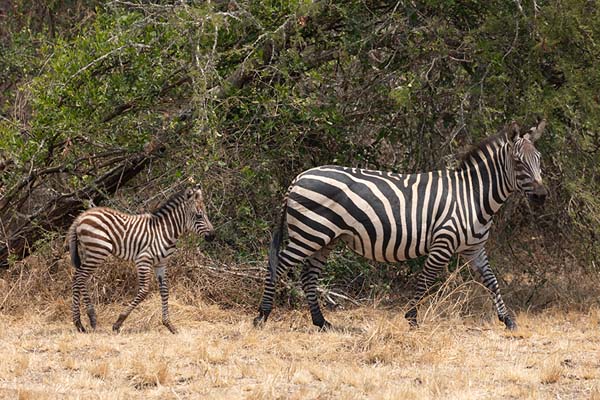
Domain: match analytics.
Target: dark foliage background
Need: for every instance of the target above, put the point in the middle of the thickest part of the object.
(121, 103)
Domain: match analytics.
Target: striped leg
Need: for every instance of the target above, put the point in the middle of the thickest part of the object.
(143, 264)
(479, 262)
(80, 280)
(290, 256)
(310, 274)
(163, 287)
(436, 260)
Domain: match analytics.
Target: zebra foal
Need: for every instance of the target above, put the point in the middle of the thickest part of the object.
(391, 217)
(147, 239)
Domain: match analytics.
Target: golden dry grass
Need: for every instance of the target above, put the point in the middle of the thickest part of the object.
(219, 355)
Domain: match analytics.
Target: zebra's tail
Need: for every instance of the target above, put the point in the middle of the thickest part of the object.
(73, 246)
(276, 241)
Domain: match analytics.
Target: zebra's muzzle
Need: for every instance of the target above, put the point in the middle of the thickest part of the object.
(538, 195)
(209, 236)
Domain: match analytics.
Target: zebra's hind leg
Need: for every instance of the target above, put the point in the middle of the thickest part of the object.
(310, 275)
(80, 280)
(479, 262)
(292, 255)
(266, 304)
(143, 270)
(75, 309)
(163, 288)
(438, 257)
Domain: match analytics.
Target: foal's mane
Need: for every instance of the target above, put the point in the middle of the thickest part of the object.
(175, 198)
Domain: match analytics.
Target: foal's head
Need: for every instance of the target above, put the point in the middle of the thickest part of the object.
(199, 222)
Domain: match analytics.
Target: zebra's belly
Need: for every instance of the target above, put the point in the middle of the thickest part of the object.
(389, 250)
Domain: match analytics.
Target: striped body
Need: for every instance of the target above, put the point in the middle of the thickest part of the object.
(391, 217)
(381, 215)
(146, 239)
(103, 231)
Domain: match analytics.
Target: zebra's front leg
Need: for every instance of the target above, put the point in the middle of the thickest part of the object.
(436, 260)
(479, 262)
(143, 269)
(163, 288)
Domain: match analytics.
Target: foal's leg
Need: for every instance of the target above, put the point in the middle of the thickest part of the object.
(163, 287)
(144, 265)
(80, 281)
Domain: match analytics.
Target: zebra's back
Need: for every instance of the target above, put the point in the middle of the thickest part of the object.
(380, 215)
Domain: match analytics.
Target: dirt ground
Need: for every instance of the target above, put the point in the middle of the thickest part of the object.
(219, 355)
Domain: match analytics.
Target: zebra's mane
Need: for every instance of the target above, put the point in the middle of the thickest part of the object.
(176, 198)
(499, 137)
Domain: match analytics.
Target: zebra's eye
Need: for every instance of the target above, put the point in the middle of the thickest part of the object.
(199, 215)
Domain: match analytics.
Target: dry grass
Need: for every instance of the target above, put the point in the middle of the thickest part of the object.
(459, 352)
(218, 354)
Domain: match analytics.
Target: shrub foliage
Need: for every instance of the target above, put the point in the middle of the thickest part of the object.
(243, 95)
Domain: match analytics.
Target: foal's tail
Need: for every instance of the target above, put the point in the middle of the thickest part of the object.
(73, 246)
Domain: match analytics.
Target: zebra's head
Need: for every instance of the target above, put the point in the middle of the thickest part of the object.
(199, 222)
(526, 160)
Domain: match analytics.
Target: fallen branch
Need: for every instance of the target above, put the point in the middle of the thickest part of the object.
(327, 293)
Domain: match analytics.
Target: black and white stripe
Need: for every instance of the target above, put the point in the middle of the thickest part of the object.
(391, 217)
(146, 239)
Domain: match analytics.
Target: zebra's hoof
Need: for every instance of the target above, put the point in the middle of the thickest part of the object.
(510, 324)
(79, 326)
(259, 321)
(411, 317)
(325, 327)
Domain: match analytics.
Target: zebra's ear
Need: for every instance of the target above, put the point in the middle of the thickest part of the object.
(536, 131)
(513, 132)
(189, 192)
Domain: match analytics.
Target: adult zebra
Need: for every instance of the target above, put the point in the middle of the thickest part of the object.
(147, 239)
(390, 217)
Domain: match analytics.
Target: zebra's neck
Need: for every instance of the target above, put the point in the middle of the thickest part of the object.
(487, 178)
(171, 219)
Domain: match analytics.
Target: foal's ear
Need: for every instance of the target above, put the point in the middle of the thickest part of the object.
(513, 132)
(535, 132)
(189, 192)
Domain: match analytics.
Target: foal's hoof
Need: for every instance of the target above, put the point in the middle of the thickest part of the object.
(170, 327)
(92, 317)
(118, 323)
(79, 326)
(510, 324)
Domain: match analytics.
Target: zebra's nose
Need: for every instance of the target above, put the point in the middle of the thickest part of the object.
(209, 236)
(538, 194)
